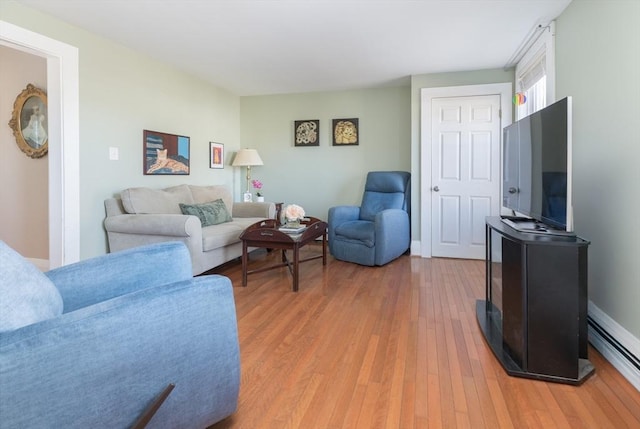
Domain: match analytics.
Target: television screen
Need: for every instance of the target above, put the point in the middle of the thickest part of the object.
(537, 166)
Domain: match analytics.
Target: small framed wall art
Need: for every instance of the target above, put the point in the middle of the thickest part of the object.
(216, 155)
(165, 153)
(346, 132)
(29, 122)
(307, 132)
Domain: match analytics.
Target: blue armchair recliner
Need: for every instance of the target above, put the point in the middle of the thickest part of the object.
(93, 344)
(378, 231)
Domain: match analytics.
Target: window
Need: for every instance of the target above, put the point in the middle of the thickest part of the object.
(535, 74)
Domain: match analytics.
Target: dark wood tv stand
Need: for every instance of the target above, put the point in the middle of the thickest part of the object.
(534, 317)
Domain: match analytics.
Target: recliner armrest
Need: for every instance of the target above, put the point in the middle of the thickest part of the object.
(338, 215)
(102, 365)
(393, 233)
(389, 216)
(104, 277)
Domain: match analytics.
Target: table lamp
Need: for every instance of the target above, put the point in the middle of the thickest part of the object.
(247, 158)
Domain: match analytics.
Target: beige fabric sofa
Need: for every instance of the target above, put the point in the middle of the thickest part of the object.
(144, 215)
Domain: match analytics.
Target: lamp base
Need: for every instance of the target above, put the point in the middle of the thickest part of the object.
(247, 197)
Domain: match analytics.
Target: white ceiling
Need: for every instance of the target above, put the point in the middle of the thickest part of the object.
(255, 47)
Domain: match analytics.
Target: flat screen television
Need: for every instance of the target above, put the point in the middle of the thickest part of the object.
(537, 170)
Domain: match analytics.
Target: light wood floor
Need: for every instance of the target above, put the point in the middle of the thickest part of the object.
(394, 347)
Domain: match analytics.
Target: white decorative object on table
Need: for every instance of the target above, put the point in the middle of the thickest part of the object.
(293, 213)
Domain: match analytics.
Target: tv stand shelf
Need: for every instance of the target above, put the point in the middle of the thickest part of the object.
(534, 317)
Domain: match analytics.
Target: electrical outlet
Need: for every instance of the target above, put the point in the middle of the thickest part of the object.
(113, 154)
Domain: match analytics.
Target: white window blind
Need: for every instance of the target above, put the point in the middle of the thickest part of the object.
(535, 74)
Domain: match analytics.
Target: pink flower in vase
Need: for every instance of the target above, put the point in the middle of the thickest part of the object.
(258, 186)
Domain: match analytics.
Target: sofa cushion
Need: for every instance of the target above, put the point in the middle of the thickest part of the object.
(228, 233)
(211, 213)
(156, 201)
(203, 194)
(28, 296)
(215, 237)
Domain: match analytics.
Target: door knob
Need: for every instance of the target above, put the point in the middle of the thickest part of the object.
(436, 189)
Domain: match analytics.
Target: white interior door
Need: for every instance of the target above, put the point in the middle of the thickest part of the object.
(465, 173)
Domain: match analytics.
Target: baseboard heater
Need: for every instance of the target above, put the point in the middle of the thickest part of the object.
(620, 357)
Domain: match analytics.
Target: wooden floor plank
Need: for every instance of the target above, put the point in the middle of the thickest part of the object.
(393, 347)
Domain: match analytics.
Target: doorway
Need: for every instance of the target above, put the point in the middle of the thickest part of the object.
(63, 112)
(460, 164)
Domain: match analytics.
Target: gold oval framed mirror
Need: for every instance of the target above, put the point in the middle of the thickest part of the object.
(29, 122)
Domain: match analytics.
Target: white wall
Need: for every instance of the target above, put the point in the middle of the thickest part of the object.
(123, 93)
(24, 210)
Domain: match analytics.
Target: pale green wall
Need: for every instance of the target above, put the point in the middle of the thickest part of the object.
(121, 94)
(598, 64)
(320, 177)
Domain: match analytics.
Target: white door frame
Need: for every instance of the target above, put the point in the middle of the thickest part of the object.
(427, 95)
(64, 148)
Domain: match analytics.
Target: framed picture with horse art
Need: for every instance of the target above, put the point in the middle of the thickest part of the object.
(165, 153)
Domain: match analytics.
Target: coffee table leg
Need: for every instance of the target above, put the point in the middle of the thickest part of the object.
(324, 249)
(296, 264)
(245, 261)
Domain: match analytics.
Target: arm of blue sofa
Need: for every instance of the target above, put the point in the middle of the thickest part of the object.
(98, 279)
(101, 366)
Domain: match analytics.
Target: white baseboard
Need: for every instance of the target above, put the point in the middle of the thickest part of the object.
(416, 248)
(42, 264)
(616, 344)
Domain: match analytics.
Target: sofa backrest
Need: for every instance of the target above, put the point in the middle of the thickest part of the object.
(206, 194)
(155, 201)
(167, 201)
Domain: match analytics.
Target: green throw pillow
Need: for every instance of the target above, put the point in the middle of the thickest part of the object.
(211, 213)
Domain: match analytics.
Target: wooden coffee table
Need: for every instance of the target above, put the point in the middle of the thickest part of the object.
(266, 234)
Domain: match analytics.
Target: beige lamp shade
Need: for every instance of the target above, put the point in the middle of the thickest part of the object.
(247, 158)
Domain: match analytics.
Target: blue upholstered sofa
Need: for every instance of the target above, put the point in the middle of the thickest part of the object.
(93, 344)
